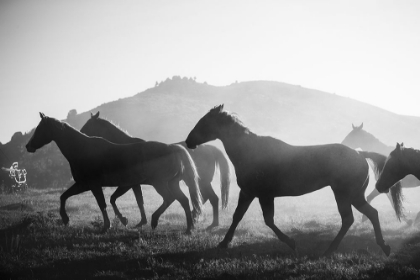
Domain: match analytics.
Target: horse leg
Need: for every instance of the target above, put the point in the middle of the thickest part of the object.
(205, 197)
(267, 206)
(162, 189)
(140, 203)
(100, 199)
(372, 214)
(185, 203)
(75, 189)
(243, 204)
(369, 198)
(347, 219)
(119, 192)
(214, 201)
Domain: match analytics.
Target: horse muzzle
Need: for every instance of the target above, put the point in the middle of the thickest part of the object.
(382, 190)
(189, 144)
(192, 147)
(30, 149)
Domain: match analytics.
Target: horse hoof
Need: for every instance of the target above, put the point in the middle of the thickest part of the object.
(222, 245)
(387, 250)
(65, 220)
(141, 224)
(154, 225)
(124, 221)
(154, 222)
(103, 230)
(188, 232)
(292, 244)
(327, 253)
(210, 227)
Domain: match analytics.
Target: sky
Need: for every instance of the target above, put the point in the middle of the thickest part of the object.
(57, 55)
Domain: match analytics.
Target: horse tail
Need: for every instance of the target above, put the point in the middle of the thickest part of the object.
(397, 199)
(224, 170)
(377, 162)
(190, 177)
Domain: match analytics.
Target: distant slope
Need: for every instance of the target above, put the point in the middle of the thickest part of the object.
(296, 114)
(170, 110)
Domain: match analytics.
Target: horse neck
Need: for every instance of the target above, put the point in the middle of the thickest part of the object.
(373, 144)
(116, 135)
(68, 141)
(235, 141)
(413, 162)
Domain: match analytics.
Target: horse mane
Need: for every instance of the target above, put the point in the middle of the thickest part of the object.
(113, 125)
(377, 160)
(411, 158)
(370, 136)
(61, 125)
(365, 140)
(233, 120)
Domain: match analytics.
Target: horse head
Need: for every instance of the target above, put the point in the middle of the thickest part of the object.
(205, 130)
(394, 169)
(43, 134)
(357, 127)
(356, 138)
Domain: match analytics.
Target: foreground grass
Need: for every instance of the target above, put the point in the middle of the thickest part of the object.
(47, 250)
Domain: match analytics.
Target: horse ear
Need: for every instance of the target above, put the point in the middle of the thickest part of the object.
(41, 115)
(352, 125)
(361, 126)
(398, 147)
(94, 116)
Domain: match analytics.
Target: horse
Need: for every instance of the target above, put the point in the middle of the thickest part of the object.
(401, 162)
(360, 138)
(96, 163)
(206, 159)
(267, 167)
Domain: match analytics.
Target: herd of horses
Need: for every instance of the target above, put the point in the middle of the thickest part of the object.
(101, 155)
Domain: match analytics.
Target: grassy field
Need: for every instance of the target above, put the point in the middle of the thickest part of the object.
(46, 249)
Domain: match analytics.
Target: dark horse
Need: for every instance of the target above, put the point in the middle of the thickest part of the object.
(96, 163)
(360, 138)
(267, 168)
(206, 158)
(400, 163)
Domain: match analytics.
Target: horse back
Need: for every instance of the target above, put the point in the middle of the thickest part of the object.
(112, 163)
(283, 169)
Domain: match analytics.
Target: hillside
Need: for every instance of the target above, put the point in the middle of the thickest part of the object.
(170, 110)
